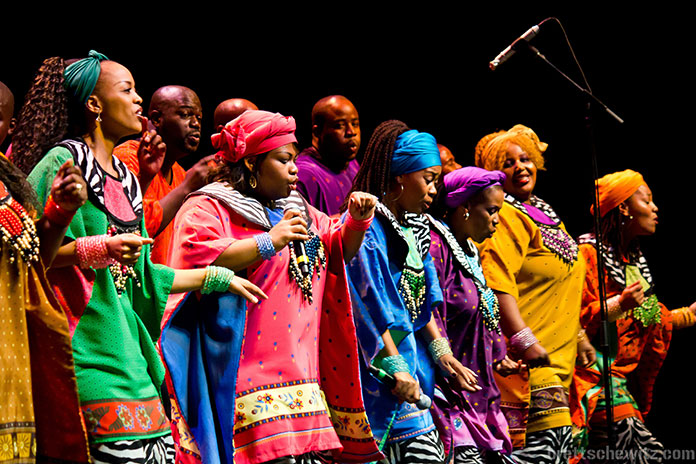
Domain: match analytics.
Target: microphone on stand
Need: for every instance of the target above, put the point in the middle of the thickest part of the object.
(299, 247)
(423, 402)
(510, 50)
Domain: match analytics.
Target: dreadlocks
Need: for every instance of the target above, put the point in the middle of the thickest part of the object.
(373, 175)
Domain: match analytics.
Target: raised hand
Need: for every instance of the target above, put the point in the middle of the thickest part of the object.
(69, 190)
(361, 205)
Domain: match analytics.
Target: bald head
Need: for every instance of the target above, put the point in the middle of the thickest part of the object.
(449, 164)
(229, 110)
(176, 113)
(335, 131)
(7, 121)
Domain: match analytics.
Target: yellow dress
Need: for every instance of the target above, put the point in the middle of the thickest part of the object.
(40, 417)
(532, 258)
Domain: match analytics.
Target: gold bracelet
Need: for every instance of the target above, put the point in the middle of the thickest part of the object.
(614, 310)
(582, 336)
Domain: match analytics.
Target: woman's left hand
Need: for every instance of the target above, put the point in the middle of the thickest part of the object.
(463, 377)
(69, 190)
(586, 353)
(361, 205)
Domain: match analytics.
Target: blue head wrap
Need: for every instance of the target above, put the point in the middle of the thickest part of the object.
(414, 151)
(81, 76)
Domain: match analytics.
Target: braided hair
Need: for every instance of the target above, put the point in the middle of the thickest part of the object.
(43, 119)
(373, 175)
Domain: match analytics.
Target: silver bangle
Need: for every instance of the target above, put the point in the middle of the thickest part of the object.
(439, 347)
(522, 340)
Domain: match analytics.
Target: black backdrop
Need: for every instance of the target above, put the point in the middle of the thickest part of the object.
(428, 67)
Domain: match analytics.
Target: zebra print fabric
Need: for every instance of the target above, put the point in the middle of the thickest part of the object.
(634, 444)
(314, 457)
(94, 177)
(250, 208)
(158, 450)
(552, 446)
(426, 449)
(472, 455)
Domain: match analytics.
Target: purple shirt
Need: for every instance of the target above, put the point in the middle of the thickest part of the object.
(464, 418)
(320, 186)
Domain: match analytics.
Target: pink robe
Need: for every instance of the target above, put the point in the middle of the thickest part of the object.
(280, 408)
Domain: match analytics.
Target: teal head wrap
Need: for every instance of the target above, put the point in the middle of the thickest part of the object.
(81, 76)
(414, 151)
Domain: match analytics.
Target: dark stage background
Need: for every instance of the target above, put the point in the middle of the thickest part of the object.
(429, 68)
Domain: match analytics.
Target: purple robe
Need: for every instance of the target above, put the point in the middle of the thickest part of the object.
(464, 418)
(320, 186)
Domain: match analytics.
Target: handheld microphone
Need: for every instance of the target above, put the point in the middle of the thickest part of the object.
(423, 402)
(510, 50)
(299, 247)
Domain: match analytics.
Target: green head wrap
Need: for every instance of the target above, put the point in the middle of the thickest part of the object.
(81, 76)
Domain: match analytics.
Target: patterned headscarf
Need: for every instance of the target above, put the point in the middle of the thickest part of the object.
(81, 76)
(616, 188)
(252, 133)
(462, 184)
(491, 150)
(414, 151)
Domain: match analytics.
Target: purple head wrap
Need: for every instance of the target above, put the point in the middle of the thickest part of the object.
(464, 183)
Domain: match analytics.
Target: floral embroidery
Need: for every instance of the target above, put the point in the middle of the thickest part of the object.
(143, 417)
(125, 418)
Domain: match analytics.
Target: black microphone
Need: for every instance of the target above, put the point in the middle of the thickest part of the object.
(510, 50)
(298, 247)
(423, 402)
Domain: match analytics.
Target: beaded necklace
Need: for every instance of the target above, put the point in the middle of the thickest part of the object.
(412, 286)
(648, 312)
(100, 184)
(553, 236)
(488, 302)
(317, 261)
(18, 229)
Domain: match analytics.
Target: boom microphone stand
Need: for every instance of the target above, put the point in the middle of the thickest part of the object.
(590, 98)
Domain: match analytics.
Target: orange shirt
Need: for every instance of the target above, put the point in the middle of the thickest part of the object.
(158, 189)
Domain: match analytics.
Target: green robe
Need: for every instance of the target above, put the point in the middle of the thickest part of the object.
(119, 370)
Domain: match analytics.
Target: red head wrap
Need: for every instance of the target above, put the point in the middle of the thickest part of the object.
(252, 133)
(616, 188)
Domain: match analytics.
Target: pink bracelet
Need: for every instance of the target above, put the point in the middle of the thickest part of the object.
(522, 340)
(359, 225)
(92, 252)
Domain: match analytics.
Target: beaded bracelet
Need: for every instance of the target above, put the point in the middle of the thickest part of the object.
(394, 364)
(614, 309)
(217, 279)
(359, 225)
(265, 245)
(56, 214)
(523, 339)
(439, 347)
(92, 252)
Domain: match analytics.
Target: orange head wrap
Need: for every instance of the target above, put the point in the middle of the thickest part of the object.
(491, 150)
(615, 188)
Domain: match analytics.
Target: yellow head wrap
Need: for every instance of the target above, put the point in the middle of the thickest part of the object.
(491, 150)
